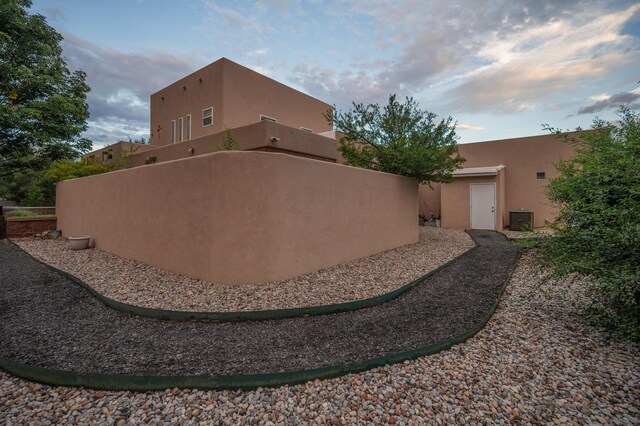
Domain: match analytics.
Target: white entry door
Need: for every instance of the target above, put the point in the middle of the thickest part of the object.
(483, 206)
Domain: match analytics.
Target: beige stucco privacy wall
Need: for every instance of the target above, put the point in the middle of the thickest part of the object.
(241, 217)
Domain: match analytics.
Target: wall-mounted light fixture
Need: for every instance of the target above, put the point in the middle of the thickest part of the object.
(184, 88)
(200, 79)
(162, 98)
(274, 139)
(191, 150)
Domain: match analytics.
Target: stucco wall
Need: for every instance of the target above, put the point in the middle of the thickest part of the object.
(523, 158)
(238, 96)
(188, 96)
(247, 94)
(456, 201)
(241, 217)
(256, 136)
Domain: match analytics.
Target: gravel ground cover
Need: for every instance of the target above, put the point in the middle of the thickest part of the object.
(133, 282)
(536, 362)
(514, 235)
(44, 309)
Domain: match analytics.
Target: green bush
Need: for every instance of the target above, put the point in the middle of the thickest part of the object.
(69, 169)
(22, 213)
(597, 232)
(398, 138)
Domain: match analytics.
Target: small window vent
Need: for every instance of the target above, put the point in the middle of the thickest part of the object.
(540, 175)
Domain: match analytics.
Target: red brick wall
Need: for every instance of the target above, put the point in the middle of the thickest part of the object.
(18, 227)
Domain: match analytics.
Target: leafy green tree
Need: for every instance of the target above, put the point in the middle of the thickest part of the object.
(29, 188)
(42, 104)
(597, 231)
(399, 138)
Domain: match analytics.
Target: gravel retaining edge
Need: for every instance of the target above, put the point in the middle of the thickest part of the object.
(235, 381)
(250, 315)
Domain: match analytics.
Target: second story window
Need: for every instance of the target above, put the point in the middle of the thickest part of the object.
(207, 117)
(180, 129)
(173, 131)
(187, 125)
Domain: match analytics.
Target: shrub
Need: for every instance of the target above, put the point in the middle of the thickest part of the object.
(22, 213)
(597, 232)
(69, 169)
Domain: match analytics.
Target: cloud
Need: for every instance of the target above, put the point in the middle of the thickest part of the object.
(465, 126)
(629, 99)
(121, 84)
(235, 29)
(533, 64)
(489, 56)
(341, 87)
(55, 14)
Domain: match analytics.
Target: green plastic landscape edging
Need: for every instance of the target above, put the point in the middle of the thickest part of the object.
(251, 315)
(237, 381)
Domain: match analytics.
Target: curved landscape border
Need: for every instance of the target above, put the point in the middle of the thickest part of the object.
(252, 315)
(238, 381)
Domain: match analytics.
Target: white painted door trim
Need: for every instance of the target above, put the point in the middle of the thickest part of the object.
(471, 204)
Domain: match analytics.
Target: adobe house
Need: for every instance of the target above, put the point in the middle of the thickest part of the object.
(189, 118)
(282, 204)
(499, 178)
(277, 207)
(225, 94)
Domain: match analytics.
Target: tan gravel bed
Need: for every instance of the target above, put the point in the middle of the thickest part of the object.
(536, 362)
(136, 283)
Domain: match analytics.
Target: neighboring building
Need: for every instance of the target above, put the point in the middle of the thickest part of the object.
(225, 94)
(498, 177)
(116, 151)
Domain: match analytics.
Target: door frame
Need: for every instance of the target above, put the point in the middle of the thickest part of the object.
(495, 205)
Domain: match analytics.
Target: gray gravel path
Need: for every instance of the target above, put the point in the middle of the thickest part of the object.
(50, 322)
(536, 362)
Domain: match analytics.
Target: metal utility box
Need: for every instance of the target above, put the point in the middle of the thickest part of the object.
(518, 219)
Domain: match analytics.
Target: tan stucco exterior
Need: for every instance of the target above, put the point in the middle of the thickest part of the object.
(241, 217)
(521, 189)
(261, 136)
(456, 201)
(238, 96)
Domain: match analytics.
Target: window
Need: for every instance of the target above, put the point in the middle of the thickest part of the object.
(106, 155)
(540, 175)
(267, 118)
(306, 130)
(180, 129)
(187, 133)
(173, 131)
(207, 117)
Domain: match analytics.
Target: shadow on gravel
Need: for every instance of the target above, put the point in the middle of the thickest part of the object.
(48, 321)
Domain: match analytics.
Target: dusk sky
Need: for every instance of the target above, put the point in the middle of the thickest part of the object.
(500, 68)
